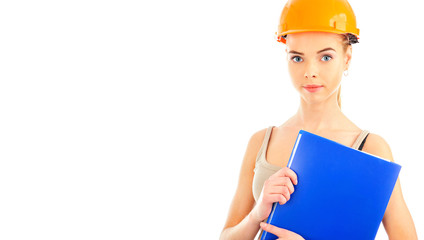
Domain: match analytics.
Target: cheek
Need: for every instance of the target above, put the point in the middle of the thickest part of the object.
(334, 69)
(329, 71)
(296, 72)
(296, 76)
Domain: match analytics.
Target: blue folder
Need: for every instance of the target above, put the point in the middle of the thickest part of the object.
(342, 193)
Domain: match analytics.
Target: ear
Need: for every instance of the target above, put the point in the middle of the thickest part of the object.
(348, 56)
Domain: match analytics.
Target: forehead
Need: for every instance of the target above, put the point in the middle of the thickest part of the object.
(312, 41)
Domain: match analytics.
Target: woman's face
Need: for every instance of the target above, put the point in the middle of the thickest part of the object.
(311, 61)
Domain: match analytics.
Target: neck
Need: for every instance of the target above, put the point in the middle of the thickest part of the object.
(319, 116)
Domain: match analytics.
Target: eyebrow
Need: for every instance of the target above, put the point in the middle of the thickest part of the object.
(323, 50)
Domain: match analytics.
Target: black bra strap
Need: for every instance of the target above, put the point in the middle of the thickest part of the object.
(363, 142)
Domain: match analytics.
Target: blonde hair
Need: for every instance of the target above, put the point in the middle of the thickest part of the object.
(339, 100)
(347, 40)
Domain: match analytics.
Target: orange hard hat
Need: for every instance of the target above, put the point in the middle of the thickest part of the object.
(334, 16)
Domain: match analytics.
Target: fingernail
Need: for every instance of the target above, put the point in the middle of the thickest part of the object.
(263, 224)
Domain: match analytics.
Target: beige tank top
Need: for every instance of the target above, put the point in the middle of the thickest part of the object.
(263, 169)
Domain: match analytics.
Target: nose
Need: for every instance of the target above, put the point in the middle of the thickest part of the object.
(311, 71)
(311, 75)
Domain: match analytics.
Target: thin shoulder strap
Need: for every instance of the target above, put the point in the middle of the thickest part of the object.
(264, 143)
(360, 139)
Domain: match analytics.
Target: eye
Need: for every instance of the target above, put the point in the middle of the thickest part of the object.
(329, 57)
(295, 57)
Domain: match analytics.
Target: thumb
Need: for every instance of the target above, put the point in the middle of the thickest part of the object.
(280, 232)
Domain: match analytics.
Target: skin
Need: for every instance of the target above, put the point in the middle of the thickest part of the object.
(320, 114)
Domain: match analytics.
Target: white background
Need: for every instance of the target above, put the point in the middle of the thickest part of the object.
(129, 120)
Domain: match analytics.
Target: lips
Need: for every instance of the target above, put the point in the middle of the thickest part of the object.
(312, 86)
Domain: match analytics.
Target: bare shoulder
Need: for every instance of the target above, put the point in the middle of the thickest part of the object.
(259, 136)
(255, 141)
(377, 145)
(253, 147)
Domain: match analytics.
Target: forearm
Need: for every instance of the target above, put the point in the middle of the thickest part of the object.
(246, 229)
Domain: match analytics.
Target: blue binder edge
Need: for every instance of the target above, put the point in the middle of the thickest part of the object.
(326, 139)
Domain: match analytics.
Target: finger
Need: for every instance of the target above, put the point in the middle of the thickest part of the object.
(286, 193)
(273, 229)
(279, 232)
(284, 181)
(287, 172)
(280, 173)
(283, 199)
(276, 198)
(284, 190)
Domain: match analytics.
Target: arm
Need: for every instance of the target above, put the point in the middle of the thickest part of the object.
(397, 219)
(245, 216)
(240, 224)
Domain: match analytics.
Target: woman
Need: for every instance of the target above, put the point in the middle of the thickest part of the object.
(318, 51)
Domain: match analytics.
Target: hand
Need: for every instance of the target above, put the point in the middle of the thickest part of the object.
(277, 188)
(282, 234)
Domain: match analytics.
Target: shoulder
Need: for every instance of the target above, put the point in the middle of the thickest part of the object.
(259, 135)
(249, 159)
(256, 140)
(377, 145)
(254, 145)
